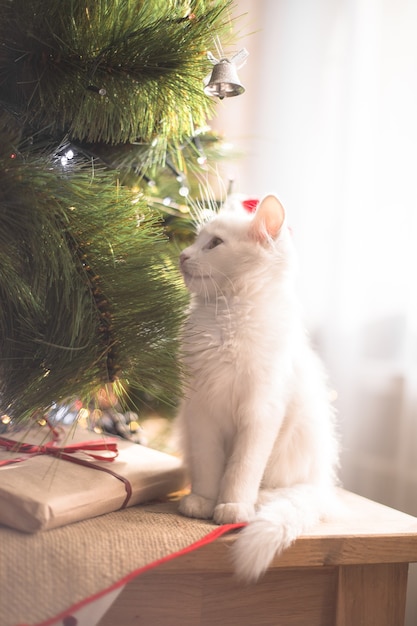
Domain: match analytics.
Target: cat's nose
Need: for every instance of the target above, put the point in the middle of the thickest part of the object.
(183, 257)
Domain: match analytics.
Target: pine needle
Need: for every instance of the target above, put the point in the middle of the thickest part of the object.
(89, 293)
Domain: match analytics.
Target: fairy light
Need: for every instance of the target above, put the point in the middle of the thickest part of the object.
(226, 146)
(100, 90)
(6, 419)
(201, 159)
(184, 191)
(82, 417)
(67, 156)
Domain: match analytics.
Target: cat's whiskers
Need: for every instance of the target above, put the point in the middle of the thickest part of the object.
(219, 293)
(204, 209)
(205, 287)
(216, 285)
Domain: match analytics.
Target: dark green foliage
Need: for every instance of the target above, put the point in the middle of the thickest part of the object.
(88, 290)
(148, 59)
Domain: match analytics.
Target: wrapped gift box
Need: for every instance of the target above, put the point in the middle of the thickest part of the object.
(41, 491)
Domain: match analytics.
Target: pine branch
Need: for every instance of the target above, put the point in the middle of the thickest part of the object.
(89, 287)
(90, 292)
(109, 70)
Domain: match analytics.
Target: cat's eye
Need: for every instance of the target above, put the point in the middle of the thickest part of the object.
(214, 242)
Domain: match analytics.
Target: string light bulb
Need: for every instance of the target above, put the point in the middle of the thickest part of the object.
(184, 191)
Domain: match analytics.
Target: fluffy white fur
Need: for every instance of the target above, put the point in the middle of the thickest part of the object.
(256, 420)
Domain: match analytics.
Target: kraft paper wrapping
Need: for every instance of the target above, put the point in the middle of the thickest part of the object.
(44, 492)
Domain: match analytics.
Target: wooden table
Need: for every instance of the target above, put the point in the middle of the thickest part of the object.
(346, 573)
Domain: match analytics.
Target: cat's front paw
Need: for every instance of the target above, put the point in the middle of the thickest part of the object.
(233, 513)
(196, 506)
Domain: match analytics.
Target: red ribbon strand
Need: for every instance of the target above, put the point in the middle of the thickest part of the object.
(92, 448)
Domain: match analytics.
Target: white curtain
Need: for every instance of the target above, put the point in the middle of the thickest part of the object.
(329, 122)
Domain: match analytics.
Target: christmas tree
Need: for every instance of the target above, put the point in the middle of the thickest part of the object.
(103, 143)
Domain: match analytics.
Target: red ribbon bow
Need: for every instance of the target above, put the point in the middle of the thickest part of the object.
(53, 449)
(64, 452)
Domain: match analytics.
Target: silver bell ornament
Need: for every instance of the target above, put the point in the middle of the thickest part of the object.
(224, 81)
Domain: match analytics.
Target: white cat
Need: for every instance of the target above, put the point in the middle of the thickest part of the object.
(256, 420)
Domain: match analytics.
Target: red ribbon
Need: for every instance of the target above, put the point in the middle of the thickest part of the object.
(53, 449)
(90, 448)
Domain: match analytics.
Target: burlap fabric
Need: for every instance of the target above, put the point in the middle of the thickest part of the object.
(44, 575)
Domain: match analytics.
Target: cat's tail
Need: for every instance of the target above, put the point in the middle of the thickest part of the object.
(283, 515)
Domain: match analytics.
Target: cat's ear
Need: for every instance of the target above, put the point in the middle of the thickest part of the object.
(268, 220)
